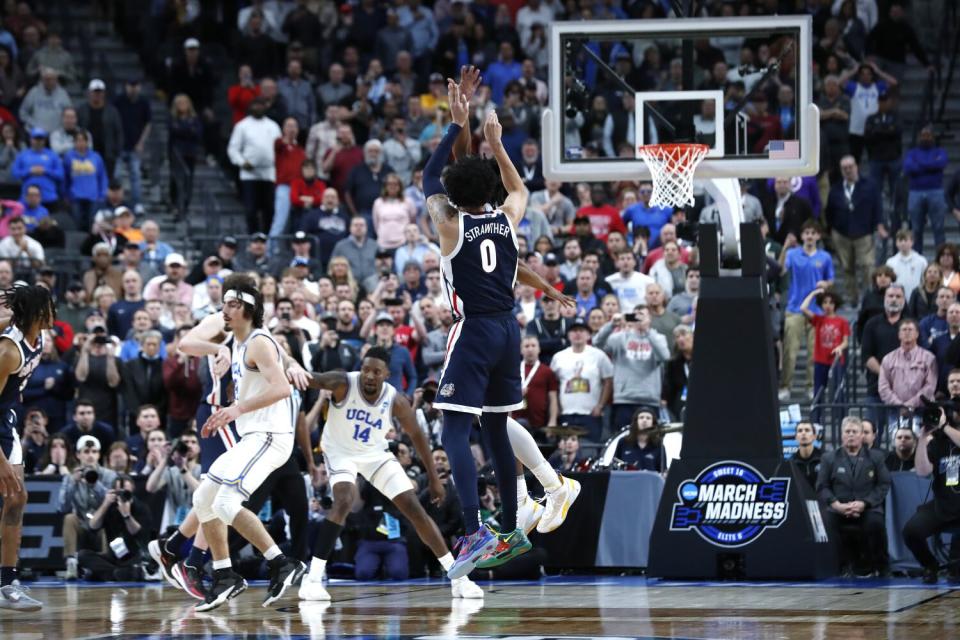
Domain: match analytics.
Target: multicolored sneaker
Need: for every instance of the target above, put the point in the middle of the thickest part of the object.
(472, 548)
(509, 546)
(158, 551)
(190, 580)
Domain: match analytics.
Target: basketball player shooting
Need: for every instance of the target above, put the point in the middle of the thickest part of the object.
(21, 345)
(481, 373)
(363, 406)
(265, 410)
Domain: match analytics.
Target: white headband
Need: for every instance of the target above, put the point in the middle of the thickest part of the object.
(233, 294)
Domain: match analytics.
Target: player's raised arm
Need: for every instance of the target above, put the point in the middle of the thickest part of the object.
(403, 412)
(204, 339)
(469, 81)
(516, 203)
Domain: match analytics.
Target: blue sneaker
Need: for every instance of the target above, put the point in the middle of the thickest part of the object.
(472, 548)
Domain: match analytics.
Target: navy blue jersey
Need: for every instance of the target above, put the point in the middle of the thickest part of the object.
(10, 396)
(479, 275)
(215, 390)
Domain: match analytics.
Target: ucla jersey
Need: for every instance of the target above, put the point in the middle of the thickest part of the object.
(356, 425)
(10, 396)
(479, 274)
(249, 383)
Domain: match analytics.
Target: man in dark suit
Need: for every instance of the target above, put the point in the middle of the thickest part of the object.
(785, 212)
(852, 486)
(143, 379)
(854, 212)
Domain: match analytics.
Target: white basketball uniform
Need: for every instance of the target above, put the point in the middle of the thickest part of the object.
(266, 435)
(354, 441)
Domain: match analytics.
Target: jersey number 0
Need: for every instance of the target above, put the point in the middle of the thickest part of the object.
(488, 255)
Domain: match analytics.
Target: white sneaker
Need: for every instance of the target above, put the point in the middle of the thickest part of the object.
(783, 395)
(558, 505)
(15, 597)
(312, 589)
(465, 588)
(72, 572)
(529, 514)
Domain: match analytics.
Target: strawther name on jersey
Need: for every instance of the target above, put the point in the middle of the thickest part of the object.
(498, 228)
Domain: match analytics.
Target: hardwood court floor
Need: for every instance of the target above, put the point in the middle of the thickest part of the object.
(554, 607)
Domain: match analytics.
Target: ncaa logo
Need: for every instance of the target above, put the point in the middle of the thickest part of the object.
(729, 504)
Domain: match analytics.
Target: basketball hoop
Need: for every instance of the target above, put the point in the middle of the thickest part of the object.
(672, 167)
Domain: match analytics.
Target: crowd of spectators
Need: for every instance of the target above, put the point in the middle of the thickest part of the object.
(334, 111)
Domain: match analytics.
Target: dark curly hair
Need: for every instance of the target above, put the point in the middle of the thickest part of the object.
(243, 283)
(30, 304)
(470, 181)
(378, 353)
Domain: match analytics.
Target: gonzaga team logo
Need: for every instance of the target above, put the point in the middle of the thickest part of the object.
(730, 504)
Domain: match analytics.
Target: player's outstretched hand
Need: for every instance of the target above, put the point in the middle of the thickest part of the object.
(438, 492)
(298, 377)
(9, 482)
(492, 129)
(459, 105)
(559, 296)
(469, 81)
(219, 420)
(221, 362)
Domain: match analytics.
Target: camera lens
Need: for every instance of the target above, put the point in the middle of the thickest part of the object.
(182, 448)
(126, 496)
(91, 476)
(326, 502)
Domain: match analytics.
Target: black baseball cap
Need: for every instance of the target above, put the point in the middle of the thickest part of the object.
(579, 323)
(550, 260)
(230, 241)
(300, 236)
(258, 237)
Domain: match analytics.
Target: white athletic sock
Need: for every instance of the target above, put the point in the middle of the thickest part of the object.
(446, 561)
(547, 476)
(272, 553)
(222, 564)
(524, 446)
(317, 567)
(521, 490)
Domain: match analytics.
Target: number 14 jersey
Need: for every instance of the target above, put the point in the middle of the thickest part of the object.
(355, 425)
(479, 274)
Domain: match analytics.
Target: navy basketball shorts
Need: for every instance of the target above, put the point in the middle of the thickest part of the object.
(482, 367)
(216, 445)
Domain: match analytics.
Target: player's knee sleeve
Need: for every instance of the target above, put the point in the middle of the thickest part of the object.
(227, 504)
(203, 500)
(524, 446)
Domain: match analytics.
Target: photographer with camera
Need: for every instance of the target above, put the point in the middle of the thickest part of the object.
(330, 352)
(938, 453)
(81, 494)
(430, 420)
(126, 524)
(179, 472)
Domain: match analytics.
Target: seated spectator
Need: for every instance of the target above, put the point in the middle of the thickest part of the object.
(924, 297)
(382, 544)
(642, 448)
(85, 423)
(585, 291)
(567, 457)
(58, 458)
(34, 439)
(118, 458)
(120, 516)
(872, 302)
(155, 451)
(44, 103)
(103, 232)
(175, 271)
(50, 387)
(23, 252)
(179, 473)
(807, 457)
(82, 492)
(852, 486)
(904, 449)
(668, 233)
(147, 420)
(123, 225)
(414, 248)
(73, 309)
(102, 272)
(682, 303)
(909, 372)
(33, 210)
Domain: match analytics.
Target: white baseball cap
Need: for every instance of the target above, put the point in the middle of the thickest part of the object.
(174, 258)
(88, 441)
(97, 85)
(191, 43)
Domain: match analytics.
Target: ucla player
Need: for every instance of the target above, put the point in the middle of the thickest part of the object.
(363, 407)
(21, 345)
(264, 409)
(481, 373)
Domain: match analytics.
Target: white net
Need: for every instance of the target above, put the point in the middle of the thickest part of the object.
(672, 167)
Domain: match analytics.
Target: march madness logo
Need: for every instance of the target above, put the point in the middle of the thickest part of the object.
(730, 504)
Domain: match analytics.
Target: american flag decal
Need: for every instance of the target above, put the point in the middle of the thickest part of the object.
(784, 149)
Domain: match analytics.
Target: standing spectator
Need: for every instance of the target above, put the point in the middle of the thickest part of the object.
(39, 166)
(864, 94)
(785, 212)
(335, 90)
(628, 284)
(832, 336)
(660, 319)
(102, 120)
(502, 71)
(944, 349)
(923, 299)
(854, 212)
(908, 372)
(251, 148)
(11, 144)
(183, 147)
(810, 268)
(893, 36)
(643, 214)
(638, 353)
(400, 151)
(677, 372)
(907, 264)
(550, 329)
(323, 136)
(240, 95)
(670, 272)
(97, 371)
(540, 388)
(85, 424)
(24, 252)
(414, 247)
(175, 270)
(120, 316)
(603, 217)
(923, 166)
(50, 387)
(306, 194)
(852, 485)
(85, 179)
(556, 207)
(401, 364)
(289, 158)
(585, 376)
(422, 25)
(61, 139)
(44, 104)
(194, 76)
(934, 325)
(33, 210)
(143, 378)
(52, 55)
(392, 213)
(135, 117)
(880, 337)
(883, 135)
(297, 94)
(367, 180)
(359, 250)
(102, 272)
(834, 127)
(342, 158)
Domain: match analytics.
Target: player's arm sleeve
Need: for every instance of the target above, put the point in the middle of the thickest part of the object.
(434, 167)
